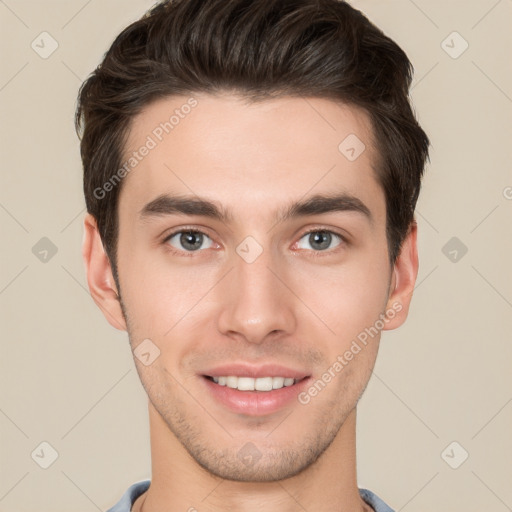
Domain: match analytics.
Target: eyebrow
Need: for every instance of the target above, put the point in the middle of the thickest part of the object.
(192, 205)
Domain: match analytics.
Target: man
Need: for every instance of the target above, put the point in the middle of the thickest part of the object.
(251, 170)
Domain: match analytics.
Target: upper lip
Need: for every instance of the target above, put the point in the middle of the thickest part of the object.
(255, 371)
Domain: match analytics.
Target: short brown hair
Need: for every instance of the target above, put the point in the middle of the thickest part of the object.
(258, 49)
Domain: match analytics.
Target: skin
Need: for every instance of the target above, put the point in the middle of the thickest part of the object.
(294, 305)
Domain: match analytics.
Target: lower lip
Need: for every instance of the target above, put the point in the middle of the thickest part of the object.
(255, 403)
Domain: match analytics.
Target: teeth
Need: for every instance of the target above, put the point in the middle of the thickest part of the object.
(250, 384)
(277, 382)
(246, 384)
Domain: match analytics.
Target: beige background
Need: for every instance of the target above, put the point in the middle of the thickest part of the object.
(68, 378)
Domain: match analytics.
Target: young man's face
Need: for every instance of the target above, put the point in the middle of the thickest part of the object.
(255, 294)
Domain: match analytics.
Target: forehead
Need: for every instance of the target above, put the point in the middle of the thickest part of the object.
(249, 155)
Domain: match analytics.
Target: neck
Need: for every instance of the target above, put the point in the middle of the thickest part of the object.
(179, 484)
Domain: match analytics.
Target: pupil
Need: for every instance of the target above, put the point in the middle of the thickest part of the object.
(191, 240)
(320, 239)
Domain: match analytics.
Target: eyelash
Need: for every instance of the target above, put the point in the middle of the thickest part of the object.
(315, 254)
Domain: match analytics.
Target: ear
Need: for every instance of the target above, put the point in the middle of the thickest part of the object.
(99, 275)
(405, 271)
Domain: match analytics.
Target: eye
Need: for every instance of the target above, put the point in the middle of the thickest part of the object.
(189, 240)
(319, 240)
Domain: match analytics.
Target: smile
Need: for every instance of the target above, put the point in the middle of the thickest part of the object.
(255, 396)
(254, 384)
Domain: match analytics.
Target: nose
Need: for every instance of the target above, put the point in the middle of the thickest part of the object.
(256, 303)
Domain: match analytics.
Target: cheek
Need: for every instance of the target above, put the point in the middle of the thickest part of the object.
(348, 299)
(160, 297)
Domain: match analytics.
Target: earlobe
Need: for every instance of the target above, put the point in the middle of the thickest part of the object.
(403, 280)
(99, 275)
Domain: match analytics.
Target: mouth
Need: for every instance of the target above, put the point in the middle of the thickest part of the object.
(255, 392)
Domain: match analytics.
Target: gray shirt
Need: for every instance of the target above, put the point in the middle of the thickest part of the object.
(134, 491)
